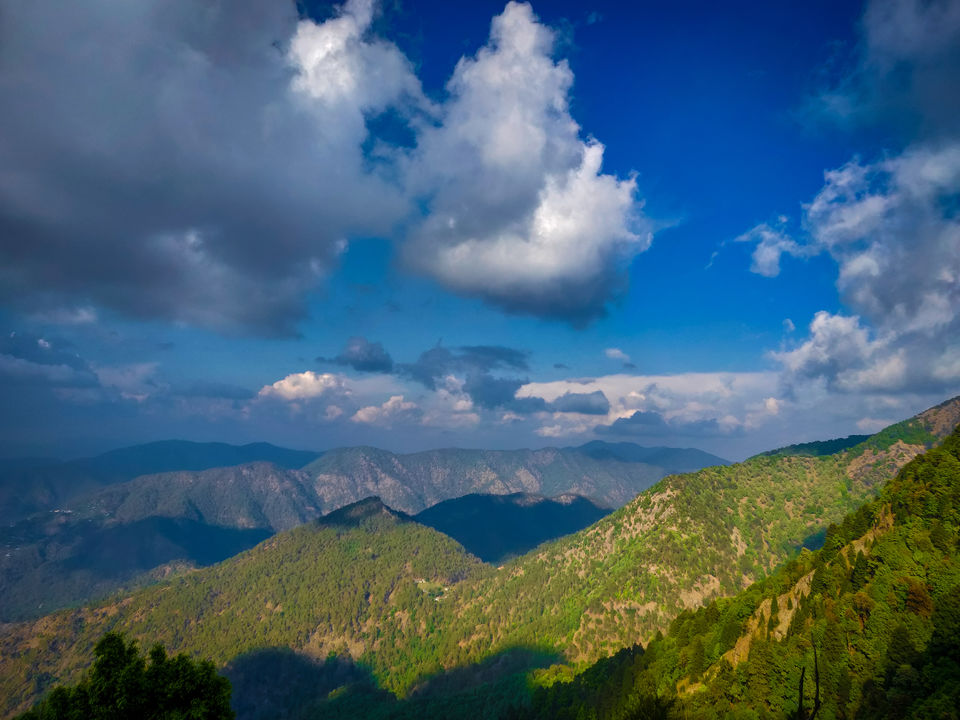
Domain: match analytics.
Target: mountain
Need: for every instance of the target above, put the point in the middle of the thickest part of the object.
(28, 487)
(146, 527)
(609, 475)
(312, 587)
(497, 527)
(819, 447)
(675, 460)
(872, 620)
(259, 498)
(456, 627)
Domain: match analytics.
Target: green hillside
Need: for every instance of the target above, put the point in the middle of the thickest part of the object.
(47, 564)
(872, 620)
(422, 619)
(318, 588)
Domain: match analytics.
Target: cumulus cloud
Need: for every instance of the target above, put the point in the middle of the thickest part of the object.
(652, 424)
(393, 410)
(245, 158)
(363, 355)
(616, 354)
(891, 225)
(306, 385)
(771, 245)
(224, 187)
(520, 213)
(892, 228)
(133, 381)
(688, 405)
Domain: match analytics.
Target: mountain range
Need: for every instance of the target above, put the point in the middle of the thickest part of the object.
(174, 520)
(413, 613)
(28, 486)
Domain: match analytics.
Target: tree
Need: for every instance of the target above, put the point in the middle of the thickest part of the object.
(122, 686)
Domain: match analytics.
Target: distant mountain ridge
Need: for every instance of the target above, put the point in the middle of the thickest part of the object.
(261, 498)
(497, 527)
(608, 474)
(29, 487)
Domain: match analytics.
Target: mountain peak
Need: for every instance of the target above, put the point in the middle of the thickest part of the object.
(943, 418)
(362, 511)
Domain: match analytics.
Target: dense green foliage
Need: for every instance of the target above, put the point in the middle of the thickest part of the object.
(122, 685)
(820, 447)
(417, 616)
(880, 604)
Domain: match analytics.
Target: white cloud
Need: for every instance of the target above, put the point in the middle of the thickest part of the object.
(890, 228)
(350, 73)
(333, 412)
(393, 409)
(520, 213)
(771, 245)
(303, 386)
(616, 354)
(683, 405)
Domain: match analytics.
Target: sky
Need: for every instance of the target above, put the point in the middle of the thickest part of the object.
(731, 226)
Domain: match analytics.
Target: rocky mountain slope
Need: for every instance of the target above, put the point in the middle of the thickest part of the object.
(688, 540)
(28, 487)
(416, 481)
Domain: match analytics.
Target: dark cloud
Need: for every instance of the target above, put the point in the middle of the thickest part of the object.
(652, 424)
(594, 403)
(32, 359)
(363, 355)
(494, 356)
(904, 71)
(493, 393)
(156, 160)
(560, 366)
(475, 364)
(469, 360)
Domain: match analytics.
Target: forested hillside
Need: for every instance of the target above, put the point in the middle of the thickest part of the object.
(168, 521)
(871, 622)
(424, 619)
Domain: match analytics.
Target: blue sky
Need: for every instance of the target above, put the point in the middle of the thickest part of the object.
(389, 224)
